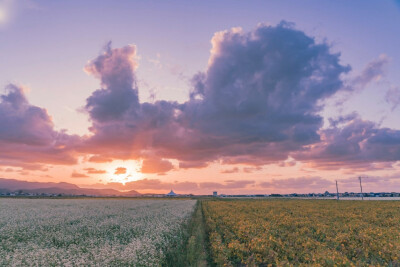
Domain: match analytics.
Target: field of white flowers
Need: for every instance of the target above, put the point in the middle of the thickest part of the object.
(89, 232)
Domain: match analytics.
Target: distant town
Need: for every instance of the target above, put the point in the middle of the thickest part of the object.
(17, 188)
(23, 193)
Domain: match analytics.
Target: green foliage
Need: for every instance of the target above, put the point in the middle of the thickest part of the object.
(192, 252)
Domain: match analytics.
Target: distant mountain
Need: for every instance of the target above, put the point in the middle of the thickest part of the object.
(12, 185)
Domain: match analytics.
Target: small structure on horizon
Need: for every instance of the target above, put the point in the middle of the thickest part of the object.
(171, 194)
(215, 194)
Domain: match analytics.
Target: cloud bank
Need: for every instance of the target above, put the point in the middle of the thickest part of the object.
(353, 143)
(258, 102)
(27, 135)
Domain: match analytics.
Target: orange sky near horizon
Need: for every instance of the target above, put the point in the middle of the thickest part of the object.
(86, 176)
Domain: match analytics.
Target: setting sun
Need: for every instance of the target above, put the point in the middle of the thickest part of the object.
(123, 171)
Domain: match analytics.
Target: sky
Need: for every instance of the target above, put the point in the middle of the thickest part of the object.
(228, 96)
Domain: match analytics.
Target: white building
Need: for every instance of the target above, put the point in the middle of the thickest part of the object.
(171, 194)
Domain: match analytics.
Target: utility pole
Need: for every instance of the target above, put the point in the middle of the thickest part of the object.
(362, 195)
(337, 191)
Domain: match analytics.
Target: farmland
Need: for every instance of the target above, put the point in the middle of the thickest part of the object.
(90, 232)
(206, 232)
(303, 232)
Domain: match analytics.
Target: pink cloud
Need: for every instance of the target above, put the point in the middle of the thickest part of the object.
(251, 169)
(78, 175)
(233, 170)
(303, 183)
(100, 159)
(29, 139)
(355, 144)
(94, 171)
(120, 170)
(155, 165)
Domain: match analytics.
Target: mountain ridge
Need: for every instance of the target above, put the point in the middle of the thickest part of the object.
(63, 188)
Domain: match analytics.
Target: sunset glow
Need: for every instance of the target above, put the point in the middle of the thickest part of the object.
(237, 99)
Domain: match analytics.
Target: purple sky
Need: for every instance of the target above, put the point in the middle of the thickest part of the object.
(252, 96)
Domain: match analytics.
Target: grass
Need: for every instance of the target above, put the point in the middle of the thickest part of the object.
(193, 251)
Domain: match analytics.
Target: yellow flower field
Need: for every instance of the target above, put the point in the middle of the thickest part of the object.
(303, 232)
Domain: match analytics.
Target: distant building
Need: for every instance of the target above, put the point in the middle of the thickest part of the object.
(215, 194)
(171, 194)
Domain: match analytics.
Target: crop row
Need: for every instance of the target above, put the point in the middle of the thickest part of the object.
(303, 232)
(88, 232)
